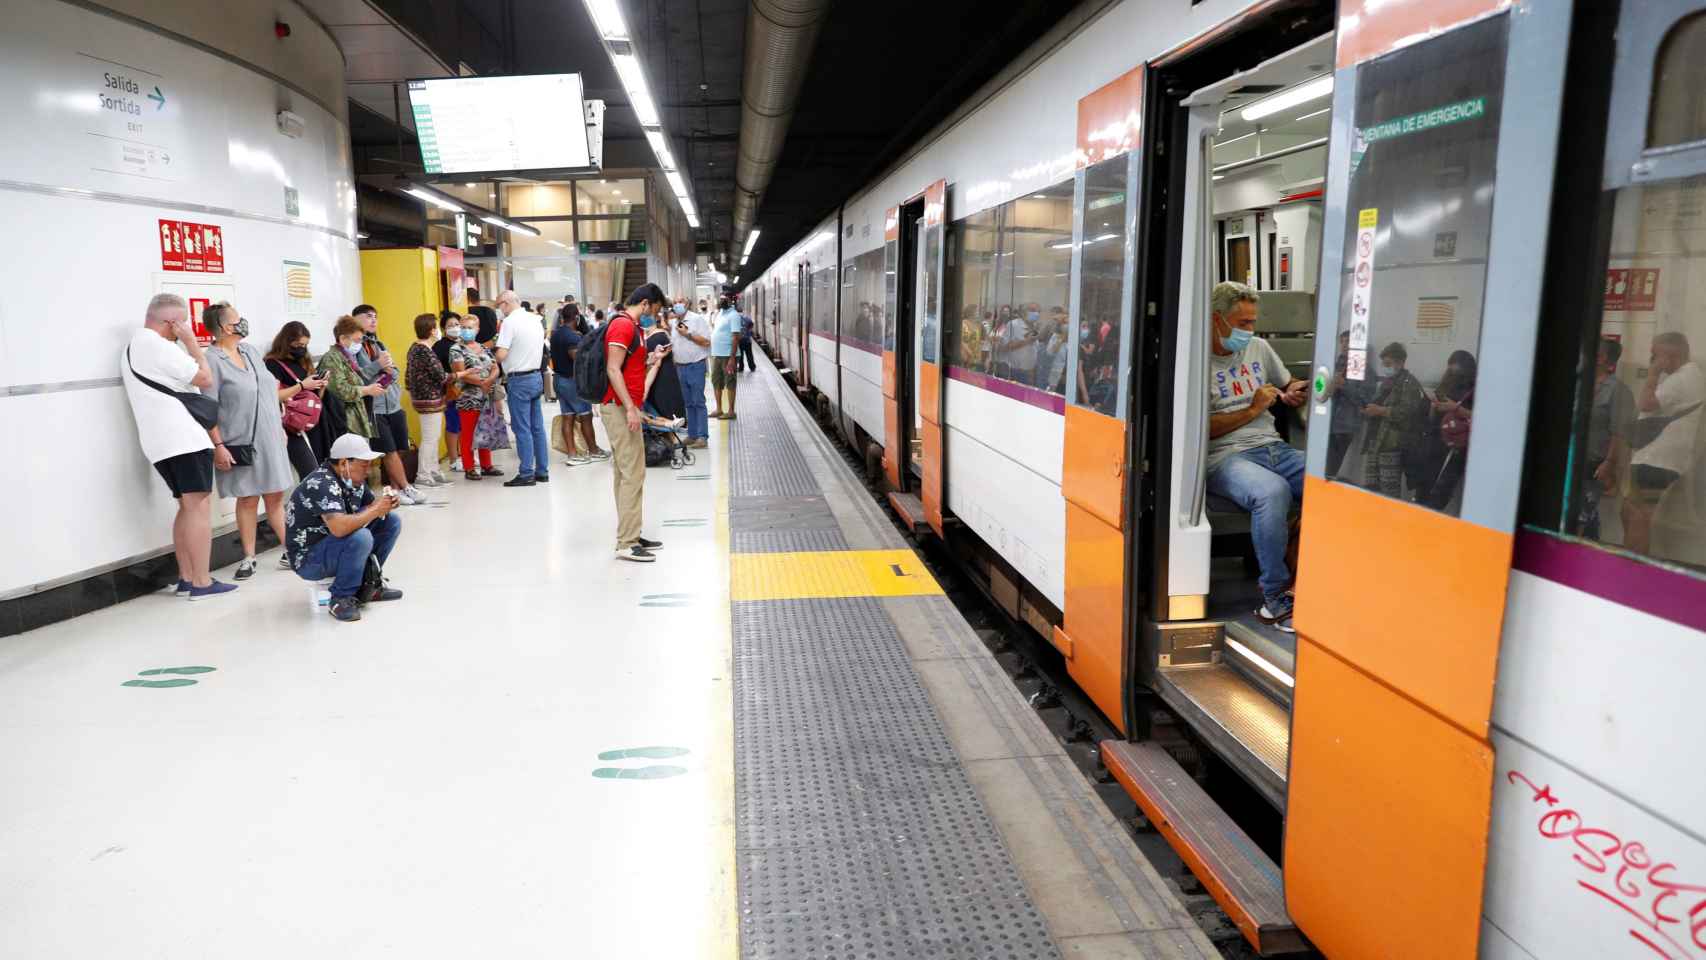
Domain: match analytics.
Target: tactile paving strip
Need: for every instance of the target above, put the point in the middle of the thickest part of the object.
(786, 541)
(858, 833)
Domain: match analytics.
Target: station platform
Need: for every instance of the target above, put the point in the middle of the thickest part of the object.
(780, 740)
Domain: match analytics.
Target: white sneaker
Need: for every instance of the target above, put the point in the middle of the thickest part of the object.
(441, 480)
(409, 496)
(424, 480)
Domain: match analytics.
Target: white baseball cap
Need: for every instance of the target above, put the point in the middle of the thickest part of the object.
(352, 447)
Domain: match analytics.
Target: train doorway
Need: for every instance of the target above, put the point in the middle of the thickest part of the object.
(913, 258)
(1247, 157)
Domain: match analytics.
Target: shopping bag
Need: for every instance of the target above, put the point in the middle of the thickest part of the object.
(557, 436)
(491, 432)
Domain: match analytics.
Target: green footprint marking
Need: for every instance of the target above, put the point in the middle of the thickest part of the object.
(686, 523)
(644, 753)
(654, 772)
(693, 476)
(667, 600)
(177, 681)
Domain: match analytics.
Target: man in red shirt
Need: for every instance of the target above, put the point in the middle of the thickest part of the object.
(621, 413)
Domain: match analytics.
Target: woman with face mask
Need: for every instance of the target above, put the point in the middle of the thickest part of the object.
(475, 371)
(426, 379)
(349, 396)
(289, 363)
(250, 458)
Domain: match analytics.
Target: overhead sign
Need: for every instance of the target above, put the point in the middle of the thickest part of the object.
(191, 247)
(612, 246)
(1632, 288)
(498, 124)
(132, 131)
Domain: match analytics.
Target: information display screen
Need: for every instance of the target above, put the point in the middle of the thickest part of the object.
(495, 124)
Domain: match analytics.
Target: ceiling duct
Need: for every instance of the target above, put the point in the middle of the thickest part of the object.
(780, 35)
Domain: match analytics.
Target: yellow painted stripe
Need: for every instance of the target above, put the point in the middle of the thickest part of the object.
(836, 573)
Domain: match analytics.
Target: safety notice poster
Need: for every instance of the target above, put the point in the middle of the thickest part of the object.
(191, 247)
(1362, 294)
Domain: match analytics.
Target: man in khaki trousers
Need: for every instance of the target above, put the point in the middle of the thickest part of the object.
(621, 413)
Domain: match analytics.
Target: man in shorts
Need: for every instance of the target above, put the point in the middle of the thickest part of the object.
(1674, 392)
(179, 447)
(375, 363)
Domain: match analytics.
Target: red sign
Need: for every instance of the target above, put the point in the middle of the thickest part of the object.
(1632, 288)
(198, 306)
(191, 247)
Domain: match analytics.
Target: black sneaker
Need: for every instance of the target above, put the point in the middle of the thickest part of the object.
(519, 482)
(636, 554)
(347, 609)
(650, 544)
(246, 569)
(541, 478)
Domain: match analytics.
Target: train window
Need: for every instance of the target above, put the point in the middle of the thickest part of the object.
(928, 330)
(1418, 225)
(1678, 113)
(891, 290)
(1101, 287)
(974, 238)
(1637, 475)
(862, 302)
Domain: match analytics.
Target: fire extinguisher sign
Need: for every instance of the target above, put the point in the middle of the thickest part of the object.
(191, 247)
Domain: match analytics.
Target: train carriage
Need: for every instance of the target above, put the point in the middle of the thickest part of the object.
(1485, 214)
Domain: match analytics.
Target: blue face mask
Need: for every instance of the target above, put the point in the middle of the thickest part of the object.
(1387, 370)
(468, 334)
(680, 310)
(1237, 340)
(647, 320)
(1033, 316)
(353, 349)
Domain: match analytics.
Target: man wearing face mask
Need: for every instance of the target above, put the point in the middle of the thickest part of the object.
(1248, 463)
(334, 524)
(521, 346)
(391, 424)
(691, 344)
(626, 362)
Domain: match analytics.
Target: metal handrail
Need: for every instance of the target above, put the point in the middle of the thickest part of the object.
(1196, 409)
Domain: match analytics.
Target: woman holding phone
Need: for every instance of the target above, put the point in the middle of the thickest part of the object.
(289, 363)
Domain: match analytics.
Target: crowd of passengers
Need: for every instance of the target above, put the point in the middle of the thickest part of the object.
(321, 440)
(1414, 440)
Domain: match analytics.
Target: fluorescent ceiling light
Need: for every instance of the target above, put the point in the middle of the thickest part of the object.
(676, 183)
(1316, 113)
(607, 16)
(558, 243)
(660, 146)
(1227, 143)
(1286, 99)
(693, 221)
(743, 259)
(751, 239)
(361, 236)
(434, 199)
(494, 221)
(634, 81)
(1220, 176)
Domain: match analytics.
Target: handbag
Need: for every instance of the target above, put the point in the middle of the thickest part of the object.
(243, 454)
(302, 411)
(490, 431)
(1647, 429)
(202, 408)
(1454, 426)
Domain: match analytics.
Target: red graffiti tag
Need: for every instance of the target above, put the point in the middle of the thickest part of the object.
(1624, 874)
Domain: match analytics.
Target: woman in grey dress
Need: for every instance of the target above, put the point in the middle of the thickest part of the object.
(248, 416)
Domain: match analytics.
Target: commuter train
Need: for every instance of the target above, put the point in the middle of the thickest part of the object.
(1488, 215)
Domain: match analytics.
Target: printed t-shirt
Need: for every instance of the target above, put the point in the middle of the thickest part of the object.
(1232, 384)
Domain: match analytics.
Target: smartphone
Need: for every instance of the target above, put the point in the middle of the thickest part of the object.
(385, 378)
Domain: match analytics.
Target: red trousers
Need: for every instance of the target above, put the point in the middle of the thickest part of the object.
(468, 418)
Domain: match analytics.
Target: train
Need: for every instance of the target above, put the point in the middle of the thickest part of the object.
(1472, 230)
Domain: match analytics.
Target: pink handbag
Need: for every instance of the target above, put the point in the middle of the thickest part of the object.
(302, 410)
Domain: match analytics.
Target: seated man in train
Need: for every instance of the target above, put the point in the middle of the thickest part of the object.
(1248, 463)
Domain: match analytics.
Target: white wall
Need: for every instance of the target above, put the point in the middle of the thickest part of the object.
(89, 255)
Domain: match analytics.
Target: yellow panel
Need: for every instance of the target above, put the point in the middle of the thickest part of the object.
(1386, 818)
(1093, 464)
(1095, 592)
(835, 573)
(403, 284)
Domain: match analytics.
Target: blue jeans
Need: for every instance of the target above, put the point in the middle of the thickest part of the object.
(528, 422)
(569, 402)
(346, 557)
(693, 389)
(1266, 481)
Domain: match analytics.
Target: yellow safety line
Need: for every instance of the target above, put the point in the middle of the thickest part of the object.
(723, 933)
(831, 573)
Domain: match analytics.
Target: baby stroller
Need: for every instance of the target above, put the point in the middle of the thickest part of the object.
(663, 440)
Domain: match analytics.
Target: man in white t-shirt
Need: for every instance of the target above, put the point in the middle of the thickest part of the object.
(180, 449)
(690, 344)
(1248, 463)
(521, 350)
(1674, 392)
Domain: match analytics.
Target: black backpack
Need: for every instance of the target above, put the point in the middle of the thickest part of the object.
(592, 379)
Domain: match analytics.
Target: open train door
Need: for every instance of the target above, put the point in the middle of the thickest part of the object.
(1445, 129)
(913, 255)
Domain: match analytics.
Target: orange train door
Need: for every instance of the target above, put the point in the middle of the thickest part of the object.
(914, 248)
(1438, 192)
